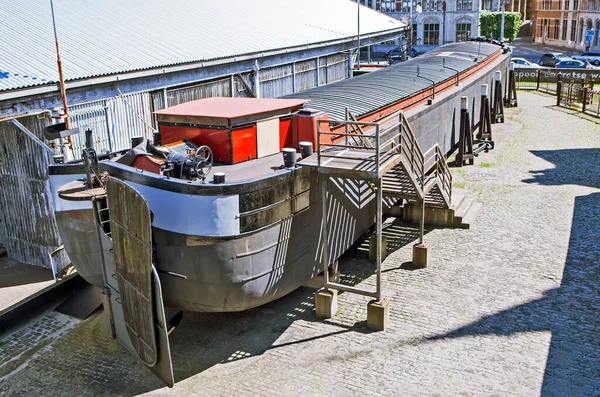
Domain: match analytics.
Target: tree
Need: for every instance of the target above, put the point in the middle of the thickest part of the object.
(489, 23)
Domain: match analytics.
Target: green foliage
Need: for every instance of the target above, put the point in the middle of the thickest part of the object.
(490, 24)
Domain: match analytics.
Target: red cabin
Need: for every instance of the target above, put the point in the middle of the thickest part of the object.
(239, 129)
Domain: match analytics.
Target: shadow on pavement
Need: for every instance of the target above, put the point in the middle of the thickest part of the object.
(570, 312)
(14, 273)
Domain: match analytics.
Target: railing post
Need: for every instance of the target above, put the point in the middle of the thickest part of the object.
(585, 97)
(377, 141)
(537, 87)
(379, 231)
(319, 143)
(325, 232)
(346, 127)
(558, 89)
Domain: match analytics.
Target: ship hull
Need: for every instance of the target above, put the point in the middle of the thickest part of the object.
(229, 272)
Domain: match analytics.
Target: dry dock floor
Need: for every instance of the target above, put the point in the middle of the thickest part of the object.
(509, 307)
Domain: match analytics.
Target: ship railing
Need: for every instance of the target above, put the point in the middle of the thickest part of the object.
(436, 166)
(361, 142)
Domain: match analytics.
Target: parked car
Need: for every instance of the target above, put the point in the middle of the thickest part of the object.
(573, 64)
(552, 58)
(396, 54)
(591, 57)
(524, 63)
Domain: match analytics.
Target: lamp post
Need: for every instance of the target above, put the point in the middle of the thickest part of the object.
(358, 32)
(502, 23)
(503, 2)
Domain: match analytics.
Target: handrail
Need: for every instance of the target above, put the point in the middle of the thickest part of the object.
(426, 168)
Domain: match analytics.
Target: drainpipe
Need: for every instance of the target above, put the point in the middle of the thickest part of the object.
(256, 80)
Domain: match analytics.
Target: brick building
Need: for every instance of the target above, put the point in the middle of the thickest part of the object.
(572, 24)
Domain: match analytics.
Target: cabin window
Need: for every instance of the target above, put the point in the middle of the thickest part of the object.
(431, 34)
(463, 31)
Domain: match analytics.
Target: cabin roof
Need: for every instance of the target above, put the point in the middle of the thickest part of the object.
(379, 89)
(228, 111)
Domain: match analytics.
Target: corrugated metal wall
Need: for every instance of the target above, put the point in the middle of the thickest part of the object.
(27, 223)
(113, 121)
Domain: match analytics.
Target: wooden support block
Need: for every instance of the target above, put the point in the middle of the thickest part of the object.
(326, 303)
(421, 255)
(373, 247)
(378, 314)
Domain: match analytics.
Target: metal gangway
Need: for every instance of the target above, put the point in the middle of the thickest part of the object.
(387, 156)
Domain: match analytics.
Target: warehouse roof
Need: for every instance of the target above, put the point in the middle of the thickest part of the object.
(114, 36)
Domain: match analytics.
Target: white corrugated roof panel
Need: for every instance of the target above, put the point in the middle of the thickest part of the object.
(111, 36)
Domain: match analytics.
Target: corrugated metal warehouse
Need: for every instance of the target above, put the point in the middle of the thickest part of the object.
(124, 60)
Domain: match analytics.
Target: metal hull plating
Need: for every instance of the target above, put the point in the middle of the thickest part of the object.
(239, 272)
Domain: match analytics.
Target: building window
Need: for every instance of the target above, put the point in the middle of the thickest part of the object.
(432, 5)
(573, 29)
(580, 30)
(546, 4)
(596, 33)
(387, 6)
(564, 30)
(592, 5)
(464, 5)
(575, 5)
(414, 33)
(486, 5)
(566, 5)
(406, 6)
(463, 31)
(431, 33)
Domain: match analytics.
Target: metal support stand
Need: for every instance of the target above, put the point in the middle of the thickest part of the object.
(498, 104)
(465, 143)
(484, 131)
(511, 100)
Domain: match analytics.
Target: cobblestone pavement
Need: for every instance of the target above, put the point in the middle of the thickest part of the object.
(509, 307)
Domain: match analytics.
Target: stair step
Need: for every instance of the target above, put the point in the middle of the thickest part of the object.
(469, 218)
(457, 198)
(463, 207)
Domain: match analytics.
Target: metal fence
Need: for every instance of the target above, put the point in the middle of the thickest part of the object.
(546, 79)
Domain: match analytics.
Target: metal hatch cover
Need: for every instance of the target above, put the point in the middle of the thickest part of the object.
(138, 281)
